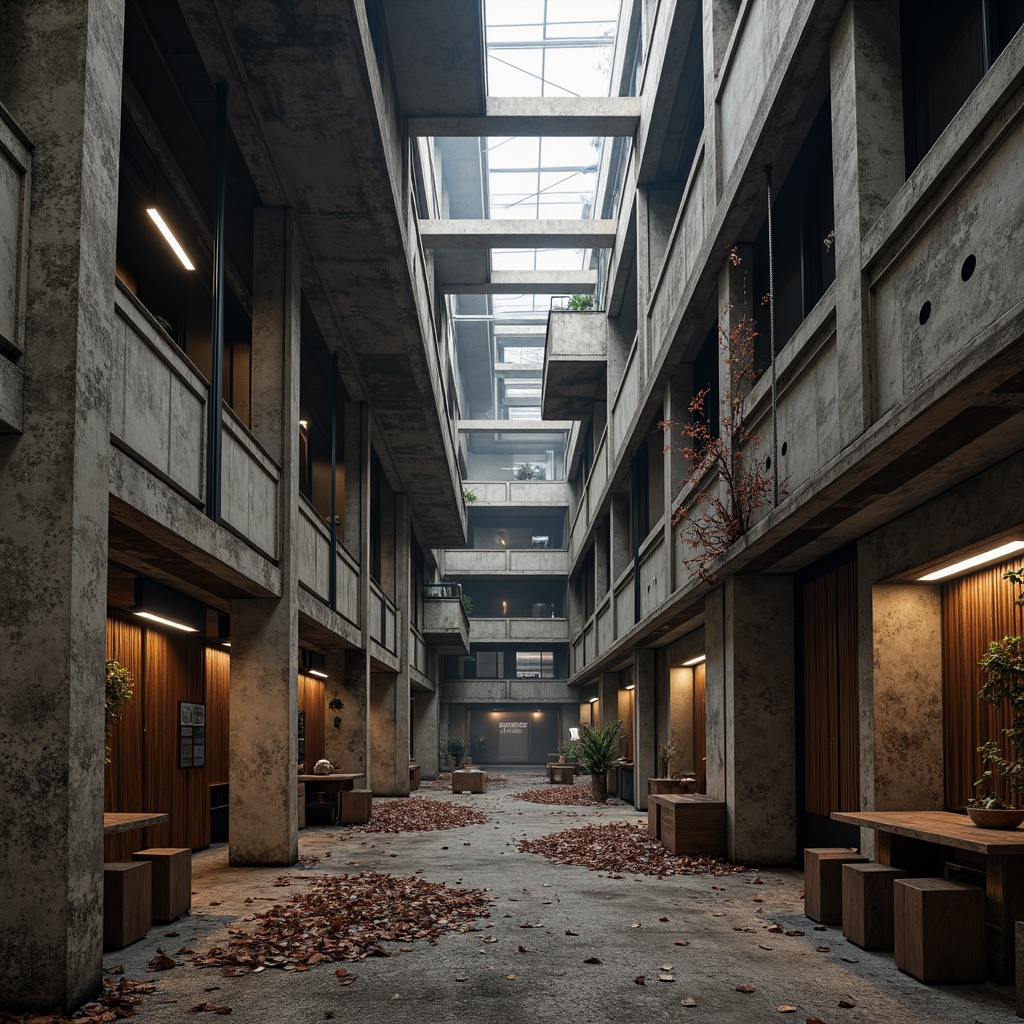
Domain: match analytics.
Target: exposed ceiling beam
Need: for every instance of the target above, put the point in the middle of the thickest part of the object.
(529, 282)
(550, 116)
(517, 234)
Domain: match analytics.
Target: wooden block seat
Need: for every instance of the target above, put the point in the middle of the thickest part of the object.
(939, 929)
(127, 902)
(356, 806)
(469, 781)
(823, 881)
(414, 776)
(171, 881)
(688, 823)
(561, 774)
(868, 903)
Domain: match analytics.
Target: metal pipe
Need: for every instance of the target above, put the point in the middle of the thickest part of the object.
(771, 342)
(215, 399)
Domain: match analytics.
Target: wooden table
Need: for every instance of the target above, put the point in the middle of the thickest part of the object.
(332, 785)
(656, 787)
(115, 822)
(937, 843)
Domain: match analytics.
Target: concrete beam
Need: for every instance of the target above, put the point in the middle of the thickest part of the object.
(550, 116)
(517, 234)
(529, 282)
(511, 426)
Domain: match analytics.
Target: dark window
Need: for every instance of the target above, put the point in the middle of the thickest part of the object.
(803, 219)
(948, 46)
(375, 517)
(705, 375)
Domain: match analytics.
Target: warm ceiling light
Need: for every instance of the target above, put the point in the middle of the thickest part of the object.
(695, 661)
(632, 686)
(316, 672)
(593, 700)
(171, 240)
(166, 622)
(975, 560)
(225, 643)
(303, 424)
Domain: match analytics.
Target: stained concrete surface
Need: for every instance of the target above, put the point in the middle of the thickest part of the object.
(618, 921)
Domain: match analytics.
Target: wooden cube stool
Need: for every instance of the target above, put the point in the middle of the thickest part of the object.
(561, 774)
(653, 817)
(469, 781)
(867, 904)
(127, 902)
(356, 806)
(939, 929)
(172, 881)
(823, 881)
(690, 823)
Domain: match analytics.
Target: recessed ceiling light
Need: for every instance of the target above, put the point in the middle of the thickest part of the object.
(695, 661)
(166, 622)
(632, 686)
(316, 672)
(975, 560)
(593, 700)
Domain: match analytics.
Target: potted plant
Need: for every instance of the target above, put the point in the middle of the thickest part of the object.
(1003, 665)
(599, 754)
(457, 749)
(120, 689)
(666, 752)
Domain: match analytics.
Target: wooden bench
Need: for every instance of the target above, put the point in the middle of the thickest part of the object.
(867, 904)
(171, 881)
(939, 929)
(823, 881)
(561, 774)
(687, 823)
(127, 902)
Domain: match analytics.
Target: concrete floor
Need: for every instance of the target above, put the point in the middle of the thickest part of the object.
(617, 921)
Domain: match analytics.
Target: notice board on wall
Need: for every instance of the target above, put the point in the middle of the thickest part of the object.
(191, 735)
(513, 738)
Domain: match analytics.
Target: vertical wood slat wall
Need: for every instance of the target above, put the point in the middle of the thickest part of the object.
(975, 609)
(143, 774)
(831, 705)
(700, 735)
(312, 698)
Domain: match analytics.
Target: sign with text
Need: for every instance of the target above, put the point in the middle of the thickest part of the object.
(191, 735)
(513, 738)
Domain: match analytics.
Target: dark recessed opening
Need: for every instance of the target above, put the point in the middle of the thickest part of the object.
(768, 463)
(926, 311)
(967, 270)
(785, 447)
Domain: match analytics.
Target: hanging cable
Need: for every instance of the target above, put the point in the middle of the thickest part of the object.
(771, 340)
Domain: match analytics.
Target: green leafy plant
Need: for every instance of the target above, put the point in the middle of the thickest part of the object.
(467, 604)
(1003, 665)
(578, 303)
(478, 746)
(457, 749)
(120, 690)
(469, 496)
(571, 750)
(599, 754)
(527, 471)
(336, 704)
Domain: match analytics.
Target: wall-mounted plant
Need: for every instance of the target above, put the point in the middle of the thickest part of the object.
(120, 689)
(578, 303)
(469, 496)
(467, 604)
(336, 704)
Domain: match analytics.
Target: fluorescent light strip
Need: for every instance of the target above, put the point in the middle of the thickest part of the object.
(171, 240)
(695, 661)
(593, 700)
(975, 560)
(166, 622)
(632, 686)
(316, 672)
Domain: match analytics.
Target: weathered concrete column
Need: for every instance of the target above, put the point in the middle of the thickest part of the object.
(719, 19)
(346, 749)
(677, 412)
(390, 692)
(645, 737)
(868, 157)
(751, 715)
(60, 77)
(426, 712)
(336, 740)
(265, 631)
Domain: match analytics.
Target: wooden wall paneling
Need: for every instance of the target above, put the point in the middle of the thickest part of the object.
(122, 778)
(218, 677)
(975, 609)
(197, 791)
(312, 700)
(848, 672)
(700, 735)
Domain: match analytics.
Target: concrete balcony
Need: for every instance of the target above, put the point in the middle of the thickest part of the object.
(518, 630)
(506, 691)
(575, 358)
(525, 562)
(445, 626)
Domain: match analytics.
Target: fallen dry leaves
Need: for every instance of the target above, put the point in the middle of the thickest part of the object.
(621, 846)
(347, 917)
(117, 1001)
(418, 815)
(577, 795)
(443, 782)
